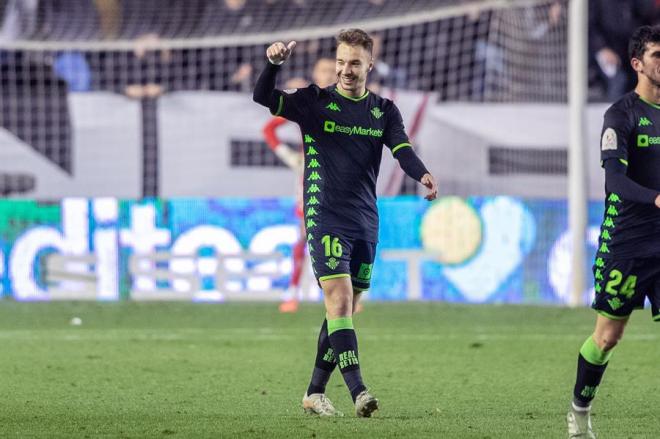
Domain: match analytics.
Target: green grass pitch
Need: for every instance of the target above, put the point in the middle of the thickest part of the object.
(167, 370)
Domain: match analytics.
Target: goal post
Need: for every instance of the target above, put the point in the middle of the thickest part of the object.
(577, 178)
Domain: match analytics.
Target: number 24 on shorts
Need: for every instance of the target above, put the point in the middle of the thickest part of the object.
(627, 289)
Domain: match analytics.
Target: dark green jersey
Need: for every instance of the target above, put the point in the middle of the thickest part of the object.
(343, 140)
(631, 135)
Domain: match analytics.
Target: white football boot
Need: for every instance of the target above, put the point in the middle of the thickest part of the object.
(579, 423)
(365, 404)
(319, 404)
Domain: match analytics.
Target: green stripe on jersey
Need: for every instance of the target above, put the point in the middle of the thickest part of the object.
(399, 146)
(650, 103)
(279, 107)
(351, 97)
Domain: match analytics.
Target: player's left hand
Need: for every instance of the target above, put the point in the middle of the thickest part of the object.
(428, 181)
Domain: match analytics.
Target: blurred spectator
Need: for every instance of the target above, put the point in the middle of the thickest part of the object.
(237, 16)
(167, 18)
(19, 19)
(493, 77)
(235, 5)
(33, 99)
(488, 57)
(611, 23)
(241, 79)
(384, 74)
(109, 16)
(140, 17)
(72, 67)
(323, 75)
(34, 105)
(147, 69)
(68, 20)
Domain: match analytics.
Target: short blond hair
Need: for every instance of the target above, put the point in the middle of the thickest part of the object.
(356, 37)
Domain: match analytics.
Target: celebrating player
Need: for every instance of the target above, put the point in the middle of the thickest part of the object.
(627, 267)
(344, 127)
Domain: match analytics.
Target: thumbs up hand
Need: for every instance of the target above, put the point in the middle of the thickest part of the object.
(277, 53)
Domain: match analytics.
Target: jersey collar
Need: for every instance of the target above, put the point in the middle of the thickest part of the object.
(366, 93)
(656, 106)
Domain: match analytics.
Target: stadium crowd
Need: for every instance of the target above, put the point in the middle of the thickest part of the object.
(457, 57)
(145, 72)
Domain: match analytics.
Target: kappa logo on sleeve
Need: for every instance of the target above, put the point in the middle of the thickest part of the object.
(609, 141)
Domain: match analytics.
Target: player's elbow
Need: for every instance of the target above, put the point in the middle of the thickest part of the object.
(259, 98)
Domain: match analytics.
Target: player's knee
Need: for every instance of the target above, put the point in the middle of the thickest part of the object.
(340, 307)
(607, 340)
(339, 300)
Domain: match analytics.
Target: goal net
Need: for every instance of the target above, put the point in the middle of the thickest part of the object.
(64, 63)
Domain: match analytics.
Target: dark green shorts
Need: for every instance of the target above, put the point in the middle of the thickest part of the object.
(623, 284)
(334, 255)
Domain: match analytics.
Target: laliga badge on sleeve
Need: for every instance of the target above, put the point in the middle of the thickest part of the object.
(608, 142)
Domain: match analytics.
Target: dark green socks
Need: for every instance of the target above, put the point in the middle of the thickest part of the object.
(344, 344)
(325, 362)
(590, 369)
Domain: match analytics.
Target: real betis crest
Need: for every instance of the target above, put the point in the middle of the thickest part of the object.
(376, 112)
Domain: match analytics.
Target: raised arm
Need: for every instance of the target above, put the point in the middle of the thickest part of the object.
(264, 90)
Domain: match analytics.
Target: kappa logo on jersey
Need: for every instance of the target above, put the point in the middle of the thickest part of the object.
(645, 122)
(290, 91)
(333, 106)
(609, 141)
(377, 113)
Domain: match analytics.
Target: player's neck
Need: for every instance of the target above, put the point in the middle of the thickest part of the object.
(648, 92)
(351, 93)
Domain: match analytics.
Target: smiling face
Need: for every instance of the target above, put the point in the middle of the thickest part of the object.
(352, 65)
(648, 67)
